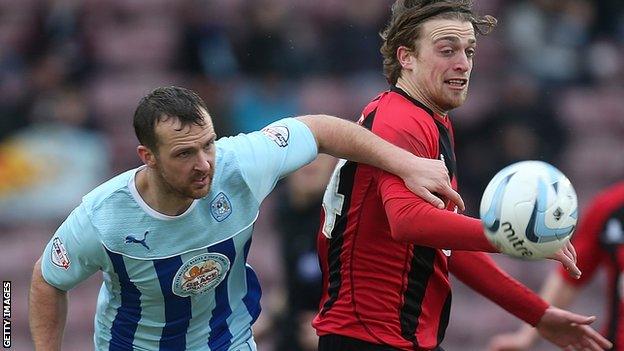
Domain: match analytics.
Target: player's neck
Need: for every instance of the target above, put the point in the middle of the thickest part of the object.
(154, 192)
(412, 90)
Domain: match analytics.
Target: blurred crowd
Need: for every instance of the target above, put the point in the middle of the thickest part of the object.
(548, 84)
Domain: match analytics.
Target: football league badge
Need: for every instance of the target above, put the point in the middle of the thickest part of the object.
(60, 258)
(220, 207)
(279, 134)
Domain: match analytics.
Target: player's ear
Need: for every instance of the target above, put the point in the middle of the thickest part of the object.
(147, 156)
(406, 57)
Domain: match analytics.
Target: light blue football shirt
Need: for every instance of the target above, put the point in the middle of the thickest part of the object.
(178, 282)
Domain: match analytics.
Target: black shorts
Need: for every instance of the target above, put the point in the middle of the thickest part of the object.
(334, 342)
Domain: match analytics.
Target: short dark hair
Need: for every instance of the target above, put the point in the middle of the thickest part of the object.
(406, 22)
(164, 103)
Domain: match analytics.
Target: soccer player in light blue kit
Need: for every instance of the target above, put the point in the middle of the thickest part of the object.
(172, 236)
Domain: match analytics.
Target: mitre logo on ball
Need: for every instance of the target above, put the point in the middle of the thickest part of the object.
(529, 210)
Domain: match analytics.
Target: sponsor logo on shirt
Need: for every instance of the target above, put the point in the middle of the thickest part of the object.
(200, 274)
(60, 258)
(220, 207)
(279, 134)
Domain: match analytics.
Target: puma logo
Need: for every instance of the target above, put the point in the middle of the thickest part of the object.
(132, 240)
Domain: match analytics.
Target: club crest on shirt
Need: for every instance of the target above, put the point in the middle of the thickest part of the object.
(200, 274)
(621, 287)
(613, 233)
(60, 258)
(279, 134)
(220, 207)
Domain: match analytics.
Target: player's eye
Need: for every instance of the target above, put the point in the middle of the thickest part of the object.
(446, 52)
(471, 52)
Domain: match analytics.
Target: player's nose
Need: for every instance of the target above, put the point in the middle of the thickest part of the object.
(462, 64)
(203, 162)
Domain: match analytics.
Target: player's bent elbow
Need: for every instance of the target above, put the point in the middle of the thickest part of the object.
(402, 230)
(37, 275)
(39, 285)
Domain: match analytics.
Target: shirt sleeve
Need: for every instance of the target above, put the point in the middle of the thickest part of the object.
(268, 155)
(480, 272)
(410, 217)
(73, 254)
(414, 220)
(410, 133)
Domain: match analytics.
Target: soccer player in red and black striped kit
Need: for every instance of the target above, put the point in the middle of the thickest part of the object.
(599, 240)
(385, 253)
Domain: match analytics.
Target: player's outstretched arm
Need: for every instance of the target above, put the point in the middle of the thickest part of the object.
(571, 331)
(350, 141)
(556, 291)
(47, 312)
(565, 329)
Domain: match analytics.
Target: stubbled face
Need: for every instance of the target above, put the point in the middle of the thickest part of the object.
(185, 161)
(444, 58)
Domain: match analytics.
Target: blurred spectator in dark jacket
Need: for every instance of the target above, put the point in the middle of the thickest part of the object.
(298, 222)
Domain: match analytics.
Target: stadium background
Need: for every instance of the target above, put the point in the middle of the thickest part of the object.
(548, 84)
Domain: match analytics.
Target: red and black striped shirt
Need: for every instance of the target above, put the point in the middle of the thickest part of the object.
(599, 241)
(385, 270)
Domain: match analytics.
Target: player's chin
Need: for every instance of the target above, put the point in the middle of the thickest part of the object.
(198, 193)
(455, 102)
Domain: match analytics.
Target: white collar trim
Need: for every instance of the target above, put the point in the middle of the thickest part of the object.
(150, 211)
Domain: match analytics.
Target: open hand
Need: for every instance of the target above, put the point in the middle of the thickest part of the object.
(571, 331)
(430, 180)
(567, 257)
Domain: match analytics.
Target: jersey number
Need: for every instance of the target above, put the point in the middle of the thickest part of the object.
(333, 201)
